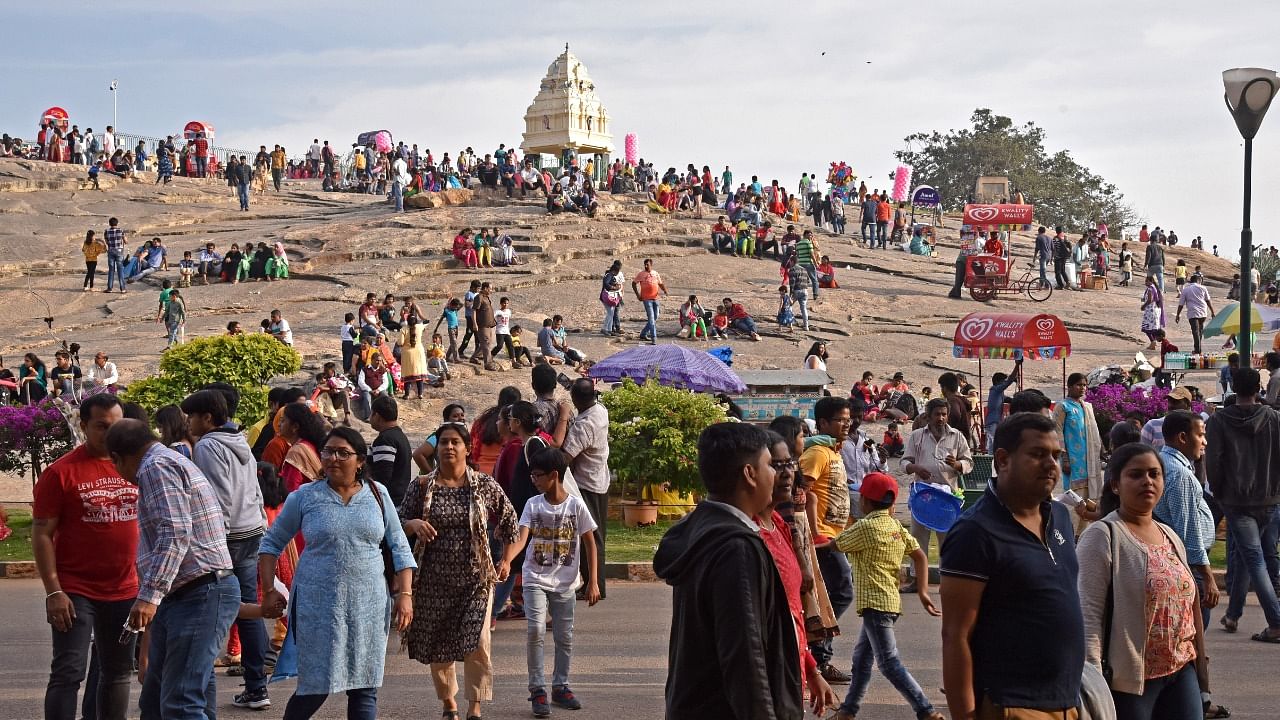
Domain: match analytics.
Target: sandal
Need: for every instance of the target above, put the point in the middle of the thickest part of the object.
(1266, 637)
(450, 715)
(1216, 711)
(1229, 625)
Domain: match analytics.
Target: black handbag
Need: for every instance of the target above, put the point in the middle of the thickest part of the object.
(388, 563)
(1107, 670)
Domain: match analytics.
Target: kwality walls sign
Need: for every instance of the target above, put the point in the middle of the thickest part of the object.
(1003, 214)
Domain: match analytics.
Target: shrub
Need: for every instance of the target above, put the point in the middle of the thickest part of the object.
(32, 436)
(653, 434)
(247, 362)
(1112, 402)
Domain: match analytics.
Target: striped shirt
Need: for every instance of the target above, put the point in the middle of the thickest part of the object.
(181, 532)
(876, 546)
(804, 251)
(115, 239)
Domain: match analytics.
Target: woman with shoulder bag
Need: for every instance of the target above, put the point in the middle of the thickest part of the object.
(448, 512)
(611, 298)
(1139, 600)
(340, 609)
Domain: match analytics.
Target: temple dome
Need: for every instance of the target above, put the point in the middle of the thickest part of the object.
(566, 113)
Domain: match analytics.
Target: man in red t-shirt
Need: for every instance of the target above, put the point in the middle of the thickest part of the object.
(85, 537)
(202, 155)
(647, 284)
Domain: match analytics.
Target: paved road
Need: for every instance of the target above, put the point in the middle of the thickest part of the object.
(619, 664)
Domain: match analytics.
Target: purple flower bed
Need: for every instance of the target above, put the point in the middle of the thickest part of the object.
(1113, 402)
(32, 436)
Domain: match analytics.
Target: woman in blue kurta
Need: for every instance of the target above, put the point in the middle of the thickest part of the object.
(339, 607)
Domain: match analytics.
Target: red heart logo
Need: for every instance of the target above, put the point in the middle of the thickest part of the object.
(983, 214)
(975, 329)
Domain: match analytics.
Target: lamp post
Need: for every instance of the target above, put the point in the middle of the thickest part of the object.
(115, 106)
(1249, 92)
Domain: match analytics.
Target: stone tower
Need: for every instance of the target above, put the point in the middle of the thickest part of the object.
(566, 118)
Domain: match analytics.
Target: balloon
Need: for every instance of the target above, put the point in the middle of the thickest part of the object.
(632, 152)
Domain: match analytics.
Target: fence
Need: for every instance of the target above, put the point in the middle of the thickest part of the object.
(128, 142)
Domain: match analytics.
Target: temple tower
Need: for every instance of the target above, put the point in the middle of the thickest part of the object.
(566, 119)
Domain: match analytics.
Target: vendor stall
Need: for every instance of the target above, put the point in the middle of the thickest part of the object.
(195, 129)
(1012, 336)
(770, 393)
(57, 116)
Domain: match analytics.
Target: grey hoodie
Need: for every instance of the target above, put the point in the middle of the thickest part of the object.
(1243, 456)
(224, 457)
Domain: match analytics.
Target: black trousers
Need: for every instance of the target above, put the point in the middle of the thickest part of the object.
(1060, 273)
(961, 262)
(598, 505)
(104, 620)
(90, 268)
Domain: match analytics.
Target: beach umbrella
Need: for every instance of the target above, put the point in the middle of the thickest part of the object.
(1227, 321)
(671, 365)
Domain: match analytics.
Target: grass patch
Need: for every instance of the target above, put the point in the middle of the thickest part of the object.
(626, 544)
(18, 545)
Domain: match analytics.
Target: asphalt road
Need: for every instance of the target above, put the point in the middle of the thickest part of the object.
(619, 664)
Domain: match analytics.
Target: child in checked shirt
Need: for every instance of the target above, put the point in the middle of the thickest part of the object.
(876, 546)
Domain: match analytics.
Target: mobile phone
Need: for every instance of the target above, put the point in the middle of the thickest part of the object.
(565, 381)
(127, 634)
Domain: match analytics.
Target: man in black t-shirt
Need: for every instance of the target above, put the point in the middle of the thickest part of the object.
(390, 457)
(65, 377)
(1012, 628)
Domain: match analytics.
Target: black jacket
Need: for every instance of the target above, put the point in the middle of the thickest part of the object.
(733, 652)
(1243, 456)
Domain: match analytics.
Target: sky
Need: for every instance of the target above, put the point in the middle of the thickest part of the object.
(1132, 89)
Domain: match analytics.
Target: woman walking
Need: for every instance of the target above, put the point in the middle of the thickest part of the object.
(448, 512)
(1141, 611)
(305, 433)
(339, 607)
(1153, 318)
(611, 298)
(92, 249)
(413, 356)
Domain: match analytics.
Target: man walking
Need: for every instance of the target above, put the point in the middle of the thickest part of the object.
(869, 220)
(1195, 297)
(224, 457)
(1061, 254)
(486, 321)
(278, 161)
(935, 453)
(1242, 442)
(823, 465)
(1154, 261)
(1043, 253)
(85, 539)
(187, 594)
(244, 180)
(586, 443)
(646, 285)
(1182, 505)
(1012, 629)
(805, 260)
(115, 254)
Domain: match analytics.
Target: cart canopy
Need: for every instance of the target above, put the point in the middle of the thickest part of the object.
(1011, 335)
(195, 127)
(58, 116)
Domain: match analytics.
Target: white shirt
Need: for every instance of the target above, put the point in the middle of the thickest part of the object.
(108, 142)
(1195, 297)
(503, 318)
(531, 175)
(554, 553)
(401, 169)
(924, 450)
(315, 152)
(350, 333)
(587, 442)
(105, 375)
(282, 328)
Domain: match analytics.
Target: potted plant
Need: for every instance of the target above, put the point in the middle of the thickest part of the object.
(653, 440)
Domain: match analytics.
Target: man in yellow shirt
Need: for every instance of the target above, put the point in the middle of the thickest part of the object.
(877, 545)
(822, 465)
(278, 161)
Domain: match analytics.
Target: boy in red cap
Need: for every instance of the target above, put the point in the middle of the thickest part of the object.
(876, 545)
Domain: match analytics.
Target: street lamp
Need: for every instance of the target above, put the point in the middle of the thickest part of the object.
(115, 107)
(1249, 92)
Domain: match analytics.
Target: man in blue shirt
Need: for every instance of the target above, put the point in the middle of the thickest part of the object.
(1182, 506)
(1012, 629)
(995, 402)
(1043, 253)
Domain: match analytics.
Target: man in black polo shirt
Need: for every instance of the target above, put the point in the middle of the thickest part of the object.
(390, 456)
(1012, 631)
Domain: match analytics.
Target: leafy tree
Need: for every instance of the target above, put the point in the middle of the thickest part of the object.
(247, 362)
(653, 434)
(1063, 191)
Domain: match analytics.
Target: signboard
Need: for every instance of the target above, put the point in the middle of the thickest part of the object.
(925, 196)
(1003, 214)
(763, 408)
(1011, 335)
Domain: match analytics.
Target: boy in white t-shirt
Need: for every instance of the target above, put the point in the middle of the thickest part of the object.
(558, 528)
(502, 332)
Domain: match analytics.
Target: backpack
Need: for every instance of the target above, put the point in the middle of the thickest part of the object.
(904, 403)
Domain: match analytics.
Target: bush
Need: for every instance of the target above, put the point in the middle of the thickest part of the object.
(32, 436)
(1112, 402)
(247, 362)
(653, 434)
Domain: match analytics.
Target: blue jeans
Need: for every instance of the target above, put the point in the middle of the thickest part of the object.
(502, 590)
(71, 651)
(650, 331)
(397, 194)
(242, 191)
(189, 630)
(536, 604)
(1205, 612)
(838, 578)
(1173, 697)
(1254, 534)
(202, 166)
(362, 704)
(876, 641)
(745, 325)
(869, 237)
(882, 232)
(1044, 270)
(610, 318)
(1157, 272)
(253, 634)
(115, 270)
(812, 272)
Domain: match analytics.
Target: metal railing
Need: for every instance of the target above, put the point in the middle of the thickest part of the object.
(127, 141)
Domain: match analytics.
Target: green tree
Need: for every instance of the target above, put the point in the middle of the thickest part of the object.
(653, 434)
(1064, 192)
(247, 362)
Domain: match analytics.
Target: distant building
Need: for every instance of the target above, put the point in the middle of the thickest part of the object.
(566, 119)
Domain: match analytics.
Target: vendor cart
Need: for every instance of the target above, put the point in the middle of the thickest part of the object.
(195, 129)
(986, 274)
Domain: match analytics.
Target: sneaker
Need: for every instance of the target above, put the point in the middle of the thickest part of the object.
(539, 699)
(833, 675)
(252, 700)
(563, 698)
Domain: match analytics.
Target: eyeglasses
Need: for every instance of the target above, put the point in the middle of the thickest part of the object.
(784, 465)
(339, 453)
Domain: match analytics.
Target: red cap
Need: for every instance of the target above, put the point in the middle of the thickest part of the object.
(878, 487)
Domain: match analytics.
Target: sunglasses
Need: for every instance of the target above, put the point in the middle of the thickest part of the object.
(784, 464)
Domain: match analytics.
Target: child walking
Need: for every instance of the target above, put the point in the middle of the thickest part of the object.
(876, 545)
(558, 528)
(786, 318)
